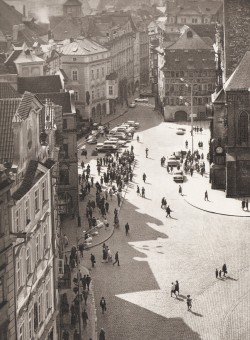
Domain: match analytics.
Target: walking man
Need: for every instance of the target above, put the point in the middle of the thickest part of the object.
(168, 210)
(189, 303)
(85, 295)
(116, 259)
(177, 288)
(172, 289)
(146, 152)
(88, 280)
(138, 190)
(127, 228)
(224, 269)
(180, 190)
(216, 273)
(103, 305)
(84, 318)
(143, 192)
(206, 196)
(92, 259)
(144, 177)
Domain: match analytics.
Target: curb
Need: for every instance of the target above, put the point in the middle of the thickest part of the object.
(214, 212)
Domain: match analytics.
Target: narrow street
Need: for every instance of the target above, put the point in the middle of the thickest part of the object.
(159, 250)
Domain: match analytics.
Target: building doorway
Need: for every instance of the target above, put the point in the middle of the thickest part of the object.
(180, 116)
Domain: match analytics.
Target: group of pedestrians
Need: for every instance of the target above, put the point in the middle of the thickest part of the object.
(223, 270)
(175, 288)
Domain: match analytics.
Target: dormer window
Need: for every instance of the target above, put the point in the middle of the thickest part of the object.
(189, 34)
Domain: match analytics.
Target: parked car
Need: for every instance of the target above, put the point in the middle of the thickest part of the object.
(92, 140)
(146, 94)
(141, 100)
(179, 154)
(107, 148)
(118, 141)
(121, 135)
(83, 150)
(180, 132)
(132, 104)
(178, 176)
(172, 161)
(134, 124)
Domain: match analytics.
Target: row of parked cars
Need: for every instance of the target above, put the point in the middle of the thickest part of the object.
(118, 137)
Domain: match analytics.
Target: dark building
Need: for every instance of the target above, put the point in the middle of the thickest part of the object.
(230, 147)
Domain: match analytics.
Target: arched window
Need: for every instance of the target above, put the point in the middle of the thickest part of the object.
(243, 128)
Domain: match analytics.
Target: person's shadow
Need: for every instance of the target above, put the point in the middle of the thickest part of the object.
(196, 314)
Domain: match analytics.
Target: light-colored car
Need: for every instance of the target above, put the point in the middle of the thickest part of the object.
(119, 135)
(106, 148)
(133, 123)
(180, 132)
(132, 104)
(172, 161)
(118, 141)
(178, 176)
(141, 100)
(92, 140)
(183, 129)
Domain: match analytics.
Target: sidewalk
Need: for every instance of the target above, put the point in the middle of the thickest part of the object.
(193, 193)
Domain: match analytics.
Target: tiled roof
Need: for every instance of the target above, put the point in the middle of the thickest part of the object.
(24, 107)
(41, 84)
(192, 43)
(28, 56)
(204, 30)
(9, 62)
(49, 163)
(72, 3)
(27, 182)
(7, 91)
(82, 47)
(240, 79)
(66, 28)
(8, 108)
(191, 60)
(62, 99)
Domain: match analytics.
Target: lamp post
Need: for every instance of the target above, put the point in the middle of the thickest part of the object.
(191, 85)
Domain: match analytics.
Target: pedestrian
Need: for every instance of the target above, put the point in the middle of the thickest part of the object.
(110, 194)
(107, 206)
(85, 295)
(86, 154)
(92, 259)
(84, 282)
(206, 196)
(172, 289)
(118, 199)
(216, 273)
(92, 181)
(177, 287)
(84, 318)
(146, 152)
(81, 248)
(126, 228)
(106, 194)
(243, 203)
(106, 224)
(144, 177)
(180, 190)
(138, 190)
(224, 269)
(138, 139)
(143, 192)
(246, 204)
(220, 273)
(102, 334)
(168, 211)
(163, 202)
(189, 303)
(82, 164)
(88, 280)
(103, 305)
(116, 259)
(65, 240)
(76, 335)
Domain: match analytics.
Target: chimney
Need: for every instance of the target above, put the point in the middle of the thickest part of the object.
(24, 11)
(15, 32)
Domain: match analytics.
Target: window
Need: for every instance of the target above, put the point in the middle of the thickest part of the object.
(28, 261)
(65, 125)
(97, 73)
(243, 128)
(17, 219)
(39, 309)
(1, 290)
(74, 59)
(93, 95)
(189, 34)
(21, 332)
(35, 316)
(76, 96)
(45, 229)
(102, 71)
(92, 75)
(27, 211)
(47, 296)
(110, 90)
(74, 75)
(38, 247)
(18, 273)
(64, 176)
(194, 21)
(44, 191)
(36, 200)
(66, 150)
(30, 324)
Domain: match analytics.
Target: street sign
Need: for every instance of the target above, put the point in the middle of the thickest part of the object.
(194, 115)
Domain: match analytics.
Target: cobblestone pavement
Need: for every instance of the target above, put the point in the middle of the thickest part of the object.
(188, 247)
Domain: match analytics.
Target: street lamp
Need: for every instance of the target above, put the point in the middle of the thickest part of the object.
(191, 85)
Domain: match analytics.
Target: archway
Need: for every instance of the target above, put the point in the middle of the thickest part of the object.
(180, 116)
(104, 109)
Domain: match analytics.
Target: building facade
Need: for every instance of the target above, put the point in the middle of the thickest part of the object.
(190, 59)
(32, 215)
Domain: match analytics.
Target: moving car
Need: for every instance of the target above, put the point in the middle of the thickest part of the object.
(132, 104)
(180, 132)
(178, 176)
(172, 161)
(141, 100)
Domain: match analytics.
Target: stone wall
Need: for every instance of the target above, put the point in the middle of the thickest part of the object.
(237, 32)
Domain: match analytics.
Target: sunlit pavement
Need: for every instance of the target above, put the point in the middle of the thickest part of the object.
(159, 250)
